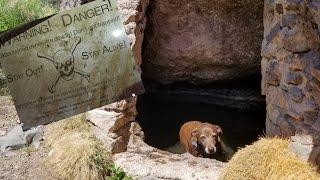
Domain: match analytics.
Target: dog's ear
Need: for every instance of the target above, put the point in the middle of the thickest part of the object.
(219, 130)
(194, 139)
(195, 133)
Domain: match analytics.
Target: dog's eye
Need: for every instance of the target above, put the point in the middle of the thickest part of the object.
(202, 137)
(59, 65)
(68, 62)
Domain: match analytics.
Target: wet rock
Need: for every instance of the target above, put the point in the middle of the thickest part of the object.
(201, 41)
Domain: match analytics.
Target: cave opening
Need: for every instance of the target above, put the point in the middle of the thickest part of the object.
(236, 106)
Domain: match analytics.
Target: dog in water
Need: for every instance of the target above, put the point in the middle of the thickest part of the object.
(201, 139)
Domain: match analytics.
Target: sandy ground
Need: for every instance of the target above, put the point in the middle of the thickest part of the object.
(21, 164)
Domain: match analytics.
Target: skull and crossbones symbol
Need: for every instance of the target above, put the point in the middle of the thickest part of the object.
(64, 63)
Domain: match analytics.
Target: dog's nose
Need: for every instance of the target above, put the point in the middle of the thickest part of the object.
(211, 150)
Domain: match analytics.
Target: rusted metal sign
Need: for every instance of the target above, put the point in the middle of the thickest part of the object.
(70, 63)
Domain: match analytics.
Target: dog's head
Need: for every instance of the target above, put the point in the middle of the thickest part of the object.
(206, 136)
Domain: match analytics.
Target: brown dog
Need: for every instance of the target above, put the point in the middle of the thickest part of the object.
(200, 139)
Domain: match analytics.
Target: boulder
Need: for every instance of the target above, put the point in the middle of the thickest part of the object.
(202, 41)
(17, 138)
(304, 148)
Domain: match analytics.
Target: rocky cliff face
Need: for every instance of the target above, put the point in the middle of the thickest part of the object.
(291, 69)
(202, 41)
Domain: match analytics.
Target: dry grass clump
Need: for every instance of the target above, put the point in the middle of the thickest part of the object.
(75, 153)
(268, 159)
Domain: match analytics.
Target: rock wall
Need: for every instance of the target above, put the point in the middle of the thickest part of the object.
(291, 69)
(202, 41)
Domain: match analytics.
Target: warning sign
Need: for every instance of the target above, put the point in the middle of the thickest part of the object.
(70, 63)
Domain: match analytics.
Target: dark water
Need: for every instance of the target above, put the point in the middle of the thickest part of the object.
(161, 117)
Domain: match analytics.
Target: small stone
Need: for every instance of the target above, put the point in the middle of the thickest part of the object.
(293, 78)
(315, 91)
(279, 8)
(295, 63)
(301, 146)
(273, 74)
(281, 127)
(2, 133)
(302, 139)
(276, 96)
(309, 117)
(288, 20)
(273, 113)
(286, 128)
(305, 147)
(294, 115)
(284, 87)
(296, 41)
(296, 94)
(315, 73)
(308, 87)
(316, 125)
(314, 156)
(303, 151)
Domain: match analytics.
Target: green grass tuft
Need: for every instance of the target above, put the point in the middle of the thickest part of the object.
(116, 173)
(14, 13)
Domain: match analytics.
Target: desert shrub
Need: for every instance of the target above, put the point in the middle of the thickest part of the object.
(77, 154)
(268, 158)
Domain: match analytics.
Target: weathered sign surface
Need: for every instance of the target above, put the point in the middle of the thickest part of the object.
(73, 62)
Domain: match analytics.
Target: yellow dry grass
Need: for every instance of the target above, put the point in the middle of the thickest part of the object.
(75, 153)
(268, 159)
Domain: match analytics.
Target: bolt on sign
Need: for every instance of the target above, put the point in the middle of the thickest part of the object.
(70, 63)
